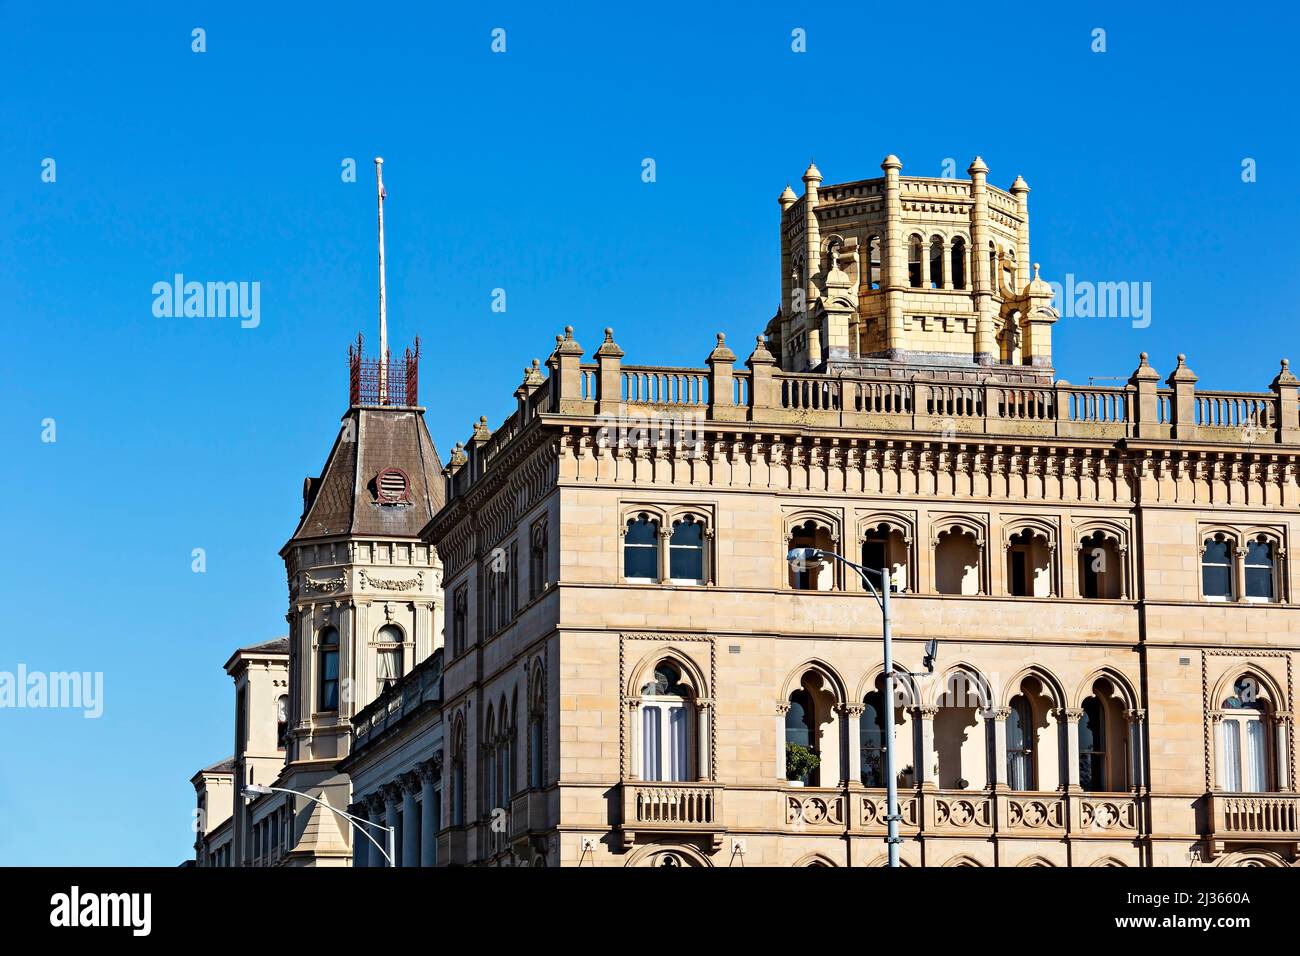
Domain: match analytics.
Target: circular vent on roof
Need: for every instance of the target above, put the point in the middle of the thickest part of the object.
(393, 486)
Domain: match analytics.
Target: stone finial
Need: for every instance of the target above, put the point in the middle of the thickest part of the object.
(1019, 187)
(481, 430)
(1144, 372)
(812, 174)
(1181, 372)
(609, 346)
(1284, 376)
(787, 198)
(891, 162)
(1037, 286)
(720, 352)
(565, 344)
(458, 459)
(760, 355)
(533, 373)
(977, 167)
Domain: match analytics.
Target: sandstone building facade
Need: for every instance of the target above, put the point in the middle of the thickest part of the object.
(627, 656)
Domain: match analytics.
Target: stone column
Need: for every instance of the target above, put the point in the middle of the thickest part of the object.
(392, 798)
(374, 813)
(782, 707)
(945, 263)
(1239, 573)
(998, 717)
(704, 758)
(1137, 777)
(852, 714)
(895, 265)
(1071, 718)
(1282, 742)
(634, 738)
(410, 820)
(360, 854)
(1020, 190)
(983, 283)
(428, 814)
(925, 757)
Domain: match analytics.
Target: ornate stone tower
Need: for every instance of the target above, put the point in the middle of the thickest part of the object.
(900, 275)
(365, 592)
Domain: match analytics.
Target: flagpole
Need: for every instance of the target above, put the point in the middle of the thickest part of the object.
(383, 313)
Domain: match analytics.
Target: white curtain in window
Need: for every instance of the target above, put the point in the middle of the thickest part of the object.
(1231, 756)
(651, 744)
(1257, 761)
(390, 666)
(678, 751)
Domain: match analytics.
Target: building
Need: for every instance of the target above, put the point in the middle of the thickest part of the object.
(631, 673)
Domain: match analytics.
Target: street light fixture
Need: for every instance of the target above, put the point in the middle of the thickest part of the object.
(258, 790)
(801, 559)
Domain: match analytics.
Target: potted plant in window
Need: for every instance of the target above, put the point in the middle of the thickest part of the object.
(800, 762)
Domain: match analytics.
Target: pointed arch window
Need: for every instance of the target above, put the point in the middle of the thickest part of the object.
(686, 551)
(872, 737)
(1020, 750)
(1216, 569)
(1092, 746)
(914, 253)
(641, 549)
(665, 726)
(1245, 764)
(874, 262)
(958, 270)
(1261, 565)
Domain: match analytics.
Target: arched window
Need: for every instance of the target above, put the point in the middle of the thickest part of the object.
(537, 732)
(957, 562)
(459, 619)
(1020, 749)
(1245, 747)
(886, 547)
(993, 270)
(958, 270)
(810, 575)
(282, 720)
(1103, 745)
(1260, 570)
(686, 551)
(800, 729)
(641, 549)
(1100, 570)
(1029, 571)
(537, 559)
(328, 688)
(872, 739)
(874, 253)
(665, 726)
(914, 262)
(960, 734)
(389, 669)
(1216, 569)
(1092, 746)
(457, 794)
(936, 262)
(505, 757)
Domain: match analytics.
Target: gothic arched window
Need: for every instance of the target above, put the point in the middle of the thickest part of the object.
(665, 726)
(958, 272)
(1216, 569)
(641, 549)
(1260, 570)
(1020, 748)
(686, 551)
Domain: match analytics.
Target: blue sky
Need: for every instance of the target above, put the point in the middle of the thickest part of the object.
(518, 171)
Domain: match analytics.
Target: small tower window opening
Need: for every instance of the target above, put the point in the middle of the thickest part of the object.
(1100, 569)
(959, 263)
(393, 486)
(459, 619)
(884, 547)
(957, 562)
(874, 260)
(936, 262)
(914, 262)
(641, 549)
(1216, 569)
(282, 721)
(993, 270)
(811, 575)
(1029, 572)
(328, 688)
(537, 559)
(1260, 570)
(686, 551)
(1020, 745)
(389, 669)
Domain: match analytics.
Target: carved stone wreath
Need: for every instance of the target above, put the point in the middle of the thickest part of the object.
(392, 584)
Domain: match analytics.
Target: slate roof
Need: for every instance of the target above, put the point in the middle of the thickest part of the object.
(343, 501)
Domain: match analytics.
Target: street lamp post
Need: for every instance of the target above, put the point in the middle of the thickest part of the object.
(257, 790)
(800, 559)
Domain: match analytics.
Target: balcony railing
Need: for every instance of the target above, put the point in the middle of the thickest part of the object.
(1253, 816)
(685, 808)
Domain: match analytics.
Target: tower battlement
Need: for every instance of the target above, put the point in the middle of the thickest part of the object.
(902, 274)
